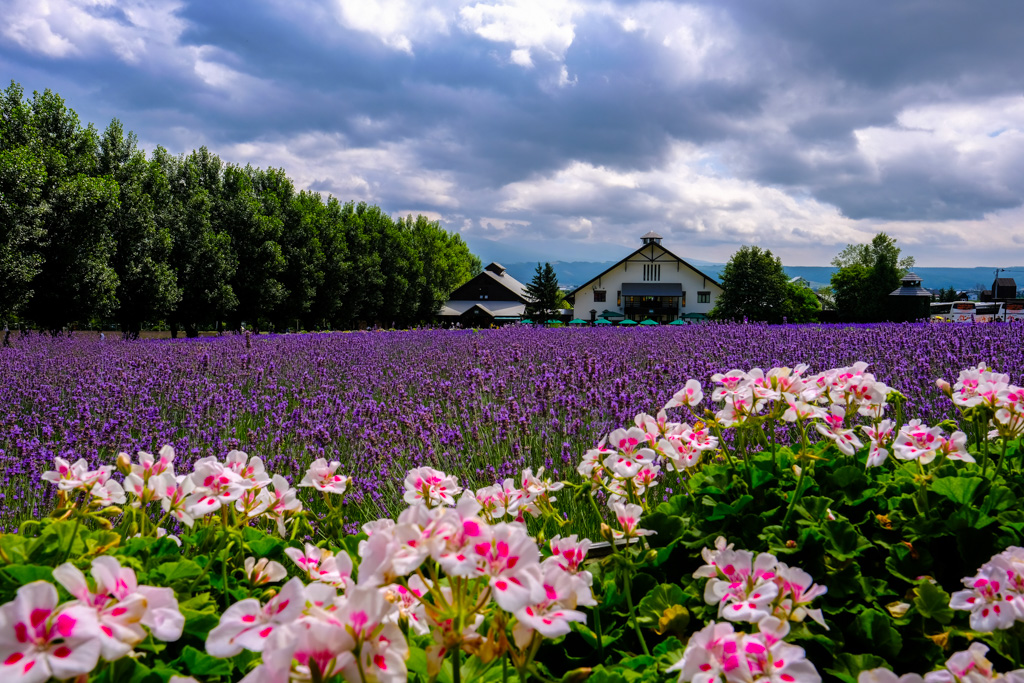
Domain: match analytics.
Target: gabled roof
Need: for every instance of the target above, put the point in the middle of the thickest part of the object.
(1005, 282)
(634, 253)
(508, 282)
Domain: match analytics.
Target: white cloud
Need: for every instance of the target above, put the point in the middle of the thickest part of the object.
(326, 162)
(65, 28)
(978, 141)
(532, 26)
(695, 43)
(397, 23)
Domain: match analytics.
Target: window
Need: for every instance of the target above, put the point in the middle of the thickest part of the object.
(703, 297)
(600, 296)
(652, 272)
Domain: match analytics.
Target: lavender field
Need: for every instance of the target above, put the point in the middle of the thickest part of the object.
(481, 404)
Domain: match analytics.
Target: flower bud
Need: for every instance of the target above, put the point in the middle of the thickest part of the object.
(944, 387)
(124, 463)
(897, 609)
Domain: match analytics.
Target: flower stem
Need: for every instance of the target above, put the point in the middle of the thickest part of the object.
(632, 611)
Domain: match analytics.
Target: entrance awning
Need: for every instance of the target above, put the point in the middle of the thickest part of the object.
(652, 289)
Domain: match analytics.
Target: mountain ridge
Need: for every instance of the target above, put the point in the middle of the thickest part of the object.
(572, 274)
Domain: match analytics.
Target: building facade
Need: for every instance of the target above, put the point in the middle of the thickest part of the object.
(651, 283)
(491, 298)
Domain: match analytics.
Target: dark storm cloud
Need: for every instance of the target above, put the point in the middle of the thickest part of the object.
(808, 98)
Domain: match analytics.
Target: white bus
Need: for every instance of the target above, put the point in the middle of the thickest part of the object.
(970, 311)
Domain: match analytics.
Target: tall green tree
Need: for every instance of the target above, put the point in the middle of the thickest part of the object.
(201, 254)
(22, 177)
(76, 281)
(866, 275)
(330, 301)
(754, 286)
(363, 225)
(304, 258)
(22, 184)
(251, 213)
(543, 294)
(147, 288)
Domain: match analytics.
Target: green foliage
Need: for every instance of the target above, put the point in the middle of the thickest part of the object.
(755, 287)
(89, 229)
(866, 275)
(543, 294)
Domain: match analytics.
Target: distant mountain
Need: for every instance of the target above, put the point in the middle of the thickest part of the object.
(572, 274)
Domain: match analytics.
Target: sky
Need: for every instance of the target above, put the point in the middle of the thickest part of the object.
(563, 130)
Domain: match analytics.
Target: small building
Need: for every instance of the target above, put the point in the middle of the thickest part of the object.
(650, 283)
(491, 298)
(911, 301)
(1004, 288)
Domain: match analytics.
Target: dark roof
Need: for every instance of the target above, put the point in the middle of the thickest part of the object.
(508, 282)
(651, 235)
(495, 268)
(1005, 282)
(634, 253)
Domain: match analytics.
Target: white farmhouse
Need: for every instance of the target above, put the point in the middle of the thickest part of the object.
(651, 283)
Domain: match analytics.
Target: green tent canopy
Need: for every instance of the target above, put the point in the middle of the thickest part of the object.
(577, 321)
(628, 322)
(609, 315)
(553, 321)
(526, 321)
(648, 321)
(677, 322)
(602, 321)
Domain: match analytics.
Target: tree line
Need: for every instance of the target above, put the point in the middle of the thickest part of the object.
(93, 230)
(756, 287)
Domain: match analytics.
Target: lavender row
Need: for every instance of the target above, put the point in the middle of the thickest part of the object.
(485, 404)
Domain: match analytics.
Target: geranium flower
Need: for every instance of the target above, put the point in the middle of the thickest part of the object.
(322, 476)
(690, 395)
(38, 640)
(551, 616)
(250, 469)
(322, 565)
(628, 516)
(264, 571)
(990, 611)
(430, 486)
(247, 624)
(833, 429)
(511, 561)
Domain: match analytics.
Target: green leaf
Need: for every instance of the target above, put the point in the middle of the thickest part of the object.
(201, 664)
(21, 574)
(998, 499)
(763, 473)
(847, 666)
(958, 489)
(813, 508)
(607, 638)
(725, 510)
(662, 610)
(845, 542)
(14, 547)
(201, 615)
(169, 572)
(932, 602)
(602, 675)
(876, 633)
